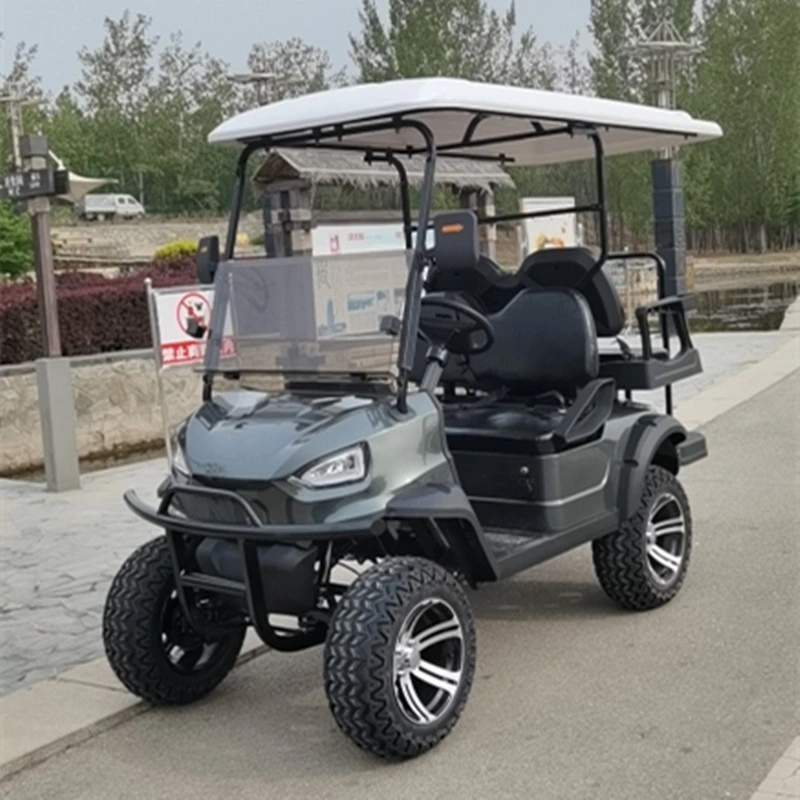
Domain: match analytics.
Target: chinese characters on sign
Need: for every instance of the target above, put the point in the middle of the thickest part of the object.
(173, 354)
(24, 185)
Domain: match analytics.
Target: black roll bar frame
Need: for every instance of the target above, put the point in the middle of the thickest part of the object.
(331, 137)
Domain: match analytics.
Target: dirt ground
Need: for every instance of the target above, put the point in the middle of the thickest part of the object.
(138, 240)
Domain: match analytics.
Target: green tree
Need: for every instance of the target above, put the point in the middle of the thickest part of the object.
(297, 68)
(748, 81)
(71, 134)
(456, 38)
(16, 246)
(115, 88)
(191, 95)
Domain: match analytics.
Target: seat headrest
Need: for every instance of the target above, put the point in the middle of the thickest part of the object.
(456, 240)
(566, 267)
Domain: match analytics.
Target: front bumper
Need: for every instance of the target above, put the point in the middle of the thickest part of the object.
(248, 525)
(217, 508)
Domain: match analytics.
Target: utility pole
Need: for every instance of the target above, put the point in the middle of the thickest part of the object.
(13, 106)
(663, 50)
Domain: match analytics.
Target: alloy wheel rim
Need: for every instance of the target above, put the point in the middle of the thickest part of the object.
(184, 649)
(428, 661)
(665, 539)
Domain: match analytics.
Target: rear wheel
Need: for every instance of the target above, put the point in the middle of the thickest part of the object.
(400, 657)
(643, 564)
(149, 642)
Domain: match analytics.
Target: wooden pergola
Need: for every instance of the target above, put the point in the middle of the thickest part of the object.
(288, 179)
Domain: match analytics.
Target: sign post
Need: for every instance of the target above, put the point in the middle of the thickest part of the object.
(179, 323)
(36, 184)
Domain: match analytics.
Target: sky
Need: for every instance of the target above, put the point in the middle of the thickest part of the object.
(227, 28)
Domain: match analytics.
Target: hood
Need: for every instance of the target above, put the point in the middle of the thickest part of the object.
(250, 436)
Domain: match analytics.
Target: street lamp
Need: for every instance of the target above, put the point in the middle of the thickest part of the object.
(263, 82)
(663, 50)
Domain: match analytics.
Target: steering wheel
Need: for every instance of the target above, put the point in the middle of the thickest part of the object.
(454, 325)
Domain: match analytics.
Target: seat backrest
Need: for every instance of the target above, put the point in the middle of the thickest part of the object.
(460, 267)
(544, 339)
(567, 267)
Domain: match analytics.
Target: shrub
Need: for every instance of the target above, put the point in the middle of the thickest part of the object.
(95, 314)
(74, 278)
(16, 244)
(176, 249)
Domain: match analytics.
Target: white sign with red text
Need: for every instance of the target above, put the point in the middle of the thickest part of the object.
(183, 316)
(334, 240)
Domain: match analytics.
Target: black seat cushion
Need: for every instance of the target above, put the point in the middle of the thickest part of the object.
(502, 428)
(567, 267)
(522, 422)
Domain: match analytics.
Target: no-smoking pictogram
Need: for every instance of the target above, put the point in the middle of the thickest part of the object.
(194, 314)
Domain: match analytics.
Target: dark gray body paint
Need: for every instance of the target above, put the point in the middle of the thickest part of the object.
(258, 444)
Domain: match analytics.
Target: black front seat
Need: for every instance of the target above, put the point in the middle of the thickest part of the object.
(545, 348)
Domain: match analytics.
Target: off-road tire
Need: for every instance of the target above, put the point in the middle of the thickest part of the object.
(620, 559)
(132, 630)
(359, 654)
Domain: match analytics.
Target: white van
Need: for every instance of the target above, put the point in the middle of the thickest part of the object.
(108, 206)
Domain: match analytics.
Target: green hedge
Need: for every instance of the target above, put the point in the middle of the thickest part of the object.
(95, 314)
(176, 249)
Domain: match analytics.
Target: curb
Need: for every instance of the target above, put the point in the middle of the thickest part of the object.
(50, 716)
(783, 781)
(730, 392)
(53, 715)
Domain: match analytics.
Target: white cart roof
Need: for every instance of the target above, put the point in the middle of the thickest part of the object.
(448, 106)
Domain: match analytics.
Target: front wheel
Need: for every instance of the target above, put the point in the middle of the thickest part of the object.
(400, 657)
(148, 640)
(643, 565)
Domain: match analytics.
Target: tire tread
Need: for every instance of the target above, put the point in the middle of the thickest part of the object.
(128, 632)
(619, 560)
(357, 675)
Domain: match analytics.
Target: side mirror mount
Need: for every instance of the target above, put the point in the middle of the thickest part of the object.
(207, 258)
(391, 325)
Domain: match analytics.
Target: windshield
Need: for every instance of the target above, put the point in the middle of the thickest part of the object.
(307, 315)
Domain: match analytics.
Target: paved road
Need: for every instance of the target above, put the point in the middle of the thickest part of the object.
(573, 699)
(58, 553)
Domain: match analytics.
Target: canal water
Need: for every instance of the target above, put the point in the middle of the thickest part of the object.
(747, 308)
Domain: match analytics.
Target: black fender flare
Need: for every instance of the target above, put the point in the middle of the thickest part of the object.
(653, 439)
(443, 515)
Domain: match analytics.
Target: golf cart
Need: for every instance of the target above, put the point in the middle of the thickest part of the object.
(436, 422)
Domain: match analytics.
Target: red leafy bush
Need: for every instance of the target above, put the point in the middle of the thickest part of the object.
(95, 314)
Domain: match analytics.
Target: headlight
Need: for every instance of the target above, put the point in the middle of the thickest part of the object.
(179, 460)
(346, 466)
